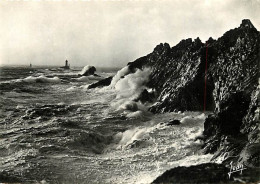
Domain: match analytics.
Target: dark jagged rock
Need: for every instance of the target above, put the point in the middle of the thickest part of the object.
(207, 173)
(178, 72)
(234, 70)
(246, 23)
(88, 70)
(5, 176)
(145, 96)
(178, 79)
(101, 83)
(250, 127)
(96, 75)
(174, 72)
(173, 122)
(131, 107)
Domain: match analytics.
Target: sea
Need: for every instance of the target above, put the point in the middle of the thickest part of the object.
(53, 129)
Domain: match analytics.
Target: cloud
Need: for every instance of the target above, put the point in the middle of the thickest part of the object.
(110, 33)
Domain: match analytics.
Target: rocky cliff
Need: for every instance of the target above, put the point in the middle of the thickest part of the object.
(178, 79)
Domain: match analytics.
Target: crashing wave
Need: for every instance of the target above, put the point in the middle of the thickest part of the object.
(88, 70)
(41, 79)
(128, 87)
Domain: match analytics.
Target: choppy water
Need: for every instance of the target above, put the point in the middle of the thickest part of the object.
(54, 130)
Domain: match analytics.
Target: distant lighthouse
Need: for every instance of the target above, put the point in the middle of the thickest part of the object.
(67, 66)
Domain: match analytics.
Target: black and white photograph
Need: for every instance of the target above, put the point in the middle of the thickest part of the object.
(129, 91)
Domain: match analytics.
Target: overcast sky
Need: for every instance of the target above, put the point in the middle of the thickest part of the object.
(110, 33)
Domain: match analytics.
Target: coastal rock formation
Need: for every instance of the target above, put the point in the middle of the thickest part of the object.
(145, 96)
(101, 83)
(173, 122)
(235, 71)
(88, 70)
(177, 80)
(207, 173)
(178, 77)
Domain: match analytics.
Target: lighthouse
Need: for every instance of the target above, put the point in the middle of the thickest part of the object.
(67, 66)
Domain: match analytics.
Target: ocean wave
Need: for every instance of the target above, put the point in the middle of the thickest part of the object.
(82, 79)
(34, 79)
(140, 136)
(128, 87)
(121, 73)
(88, 78)
(137, 137)
(40, 79)
(72, 88)
(86, 69)
(159, 146)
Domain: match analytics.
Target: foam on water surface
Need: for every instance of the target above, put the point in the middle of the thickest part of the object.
(69, 134)
(151, 149)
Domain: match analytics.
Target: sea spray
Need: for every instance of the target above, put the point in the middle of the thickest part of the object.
(132, 84)
(121, 73)
(154, 147)
(128, 87)
(71, 134)
(88, 70)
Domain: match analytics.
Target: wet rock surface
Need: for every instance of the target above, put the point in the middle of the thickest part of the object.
(207, 173)
(232, 93)
(232, 78)
(173, 122)
(178, 73)
(145, 96)
(235, 73)
(91, 71)
(177, 80)
(101, 83)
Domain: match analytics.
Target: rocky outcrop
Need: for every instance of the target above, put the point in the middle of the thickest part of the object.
(178, 72)
(207, 173)
(173, 122)
(145, 96)
(88, 70)
(178, 76)
(250, 127)
(234, 70)
(101, 83)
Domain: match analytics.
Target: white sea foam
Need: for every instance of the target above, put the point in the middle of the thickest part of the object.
(41, 79)
(128, 88)
(137, 114)
(83, 79)
(191, 119)
(72, 88)
(121, 73)
(92, 77)
(160, 147)
(191, 132)
(130, 136)
(88, 78)
(133, 83)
